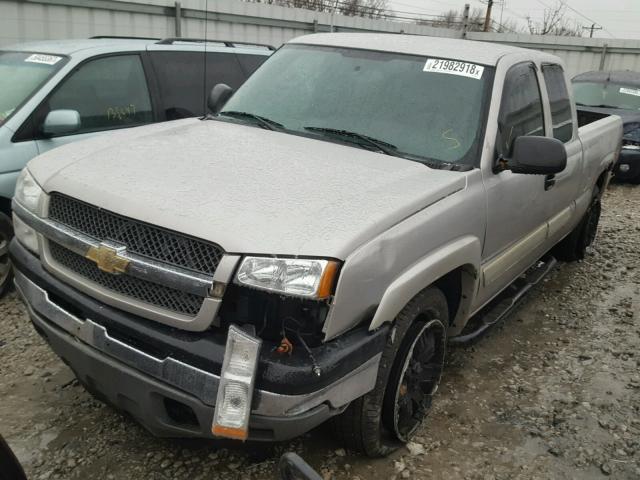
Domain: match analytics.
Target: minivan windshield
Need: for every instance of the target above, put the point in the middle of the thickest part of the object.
(21, 74)
(613, 95)
(410, 106)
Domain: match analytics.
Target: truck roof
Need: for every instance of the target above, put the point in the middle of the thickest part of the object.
(465, 50)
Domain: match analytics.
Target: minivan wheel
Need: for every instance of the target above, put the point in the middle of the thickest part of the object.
(410, 369)
(6, 271)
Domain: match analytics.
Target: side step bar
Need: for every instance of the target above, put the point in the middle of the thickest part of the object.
(506, 301)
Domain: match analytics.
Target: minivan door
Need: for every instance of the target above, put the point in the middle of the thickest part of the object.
(108, 92)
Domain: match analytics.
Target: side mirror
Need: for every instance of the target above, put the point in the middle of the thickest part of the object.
(220, 94)
(61, 122)
(536, 156)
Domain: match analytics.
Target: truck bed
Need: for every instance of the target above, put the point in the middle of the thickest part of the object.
(586, 117)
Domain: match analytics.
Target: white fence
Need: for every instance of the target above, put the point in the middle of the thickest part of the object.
(579, 54)
(26, 20)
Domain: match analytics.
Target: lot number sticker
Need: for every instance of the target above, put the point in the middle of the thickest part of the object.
(630, 91)
(40, 58)
(453, 67)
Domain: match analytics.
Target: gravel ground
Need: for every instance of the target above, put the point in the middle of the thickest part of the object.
(553, 392)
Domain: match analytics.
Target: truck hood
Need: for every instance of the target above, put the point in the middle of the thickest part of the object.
(249, 190)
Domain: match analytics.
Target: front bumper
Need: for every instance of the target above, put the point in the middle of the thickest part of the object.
(171, 396)
(628, 166)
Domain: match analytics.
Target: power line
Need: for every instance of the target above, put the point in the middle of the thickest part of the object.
(417, 8)
(564, 2)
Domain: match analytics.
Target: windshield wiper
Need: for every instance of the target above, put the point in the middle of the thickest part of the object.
(262, 121)
(387, 148)
(360, 139)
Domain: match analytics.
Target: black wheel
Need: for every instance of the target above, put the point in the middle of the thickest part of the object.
(409, 374)
(6, 272)
(574, 245)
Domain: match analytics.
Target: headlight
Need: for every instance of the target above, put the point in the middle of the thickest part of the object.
(28, 192)
(290, 276)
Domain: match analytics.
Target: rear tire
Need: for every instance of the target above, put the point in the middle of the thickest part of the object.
(410, 369)
(574, 246)
(6, 271)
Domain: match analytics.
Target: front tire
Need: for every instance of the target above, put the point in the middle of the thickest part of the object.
(6, 270)
(410, 369)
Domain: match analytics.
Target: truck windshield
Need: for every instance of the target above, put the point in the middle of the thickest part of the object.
(611, 95)
(409, 106)
(21, 74)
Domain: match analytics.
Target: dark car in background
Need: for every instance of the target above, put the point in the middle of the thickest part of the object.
(614, 93)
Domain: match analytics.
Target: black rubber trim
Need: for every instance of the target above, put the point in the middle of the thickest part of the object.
(285, 374)
(631, 158)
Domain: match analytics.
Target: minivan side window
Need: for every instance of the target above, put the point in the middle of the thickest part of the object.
(521, 108)
(561, 118)
(250, 63)
(180, 77)
(108, 92)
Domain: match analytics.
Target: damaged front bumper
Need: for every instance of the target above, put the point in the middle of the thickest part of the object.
(168, 379)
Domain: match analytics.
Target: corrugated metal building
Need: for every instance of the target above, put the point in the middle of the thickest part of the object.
(25, 20)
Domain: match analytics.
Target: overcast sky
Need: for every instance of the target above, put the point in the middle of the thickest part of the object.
(620, 18)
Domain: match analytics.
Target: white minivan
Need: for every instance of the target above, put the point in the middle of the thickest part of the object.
(55, 92)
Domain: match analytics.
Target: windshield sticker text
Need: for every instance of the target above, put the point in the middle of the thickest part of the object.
(453, 67)
(40, 58)
(630, 91)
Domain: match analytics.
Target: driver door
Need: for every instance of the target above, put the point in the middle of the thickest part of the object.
(516, 214)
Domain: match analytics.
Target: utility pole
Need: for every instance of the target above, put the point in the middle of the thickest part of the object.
(487, 18)
(465, 20)
(592, 28)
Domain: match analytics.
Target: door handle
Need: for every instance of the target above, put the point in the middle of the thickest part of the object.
(549, 182)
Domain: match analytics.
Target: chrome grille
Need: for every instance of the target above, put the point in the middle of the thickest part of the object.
(142, 290)
(150, 241)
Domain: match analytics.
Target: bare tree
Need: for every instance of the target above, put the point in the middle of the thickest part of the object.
(555, 22)
(508, 25)
(356, 8)
(454, 18)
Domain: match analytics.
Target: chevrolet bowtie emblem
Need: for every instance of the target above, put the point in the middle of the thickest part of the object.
(108, 259)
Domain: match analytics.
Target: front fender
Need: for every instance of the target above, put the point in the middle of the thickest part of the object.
(462, 252)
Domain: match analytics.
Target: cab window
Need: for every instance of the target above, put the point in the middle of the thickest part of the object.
(108, 92)
(521, 108)
(561, 118)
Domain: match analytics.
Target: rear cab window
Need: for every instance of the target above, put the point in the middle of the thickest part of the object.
(559, 101)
